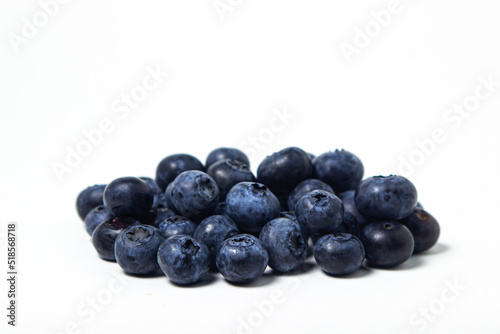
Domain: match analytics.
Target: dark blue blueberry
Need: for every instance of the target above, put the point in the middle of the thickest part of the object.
(158, 194)
(194, 195)
(96, 216)
(311, 156)
(342, 170)
(424, 228)
(320, 212)
(251, 206)
(173, 165)
(283, 199)
(128, 196)
(89, 199)
(213, 230)
(303, 188)
(220, 209)
(227, 173)
(339, 254)
(283, 170)
(223, 153)
(168, 198)
(105, 234)
(242, 258)
(286, 244)
(390, 197)
(387, 244)
(158, 215)
(291, 215)
(177, 225)
(184, 259)
(136, 249)
(353, 222)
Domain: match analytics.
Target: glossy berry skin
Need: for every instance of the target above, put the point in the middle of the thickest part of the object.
(303, 188)
(183, 259)
(176, 225)
(341, 169)
(353, 222)
(242, 258)
(158, 215)
(105, 234)
(89, 198)
(390, 197)
(424, 228)
(128, 196)
(96, 216)
(136, 249)
(284, 170)
(194, 195)
(227, 173)
(285, 243)
(223, 153)
(387, 244)
(173, 165)
(158, 193)
(339, 254)
(320, 212)
(213, 230)
(251, 205)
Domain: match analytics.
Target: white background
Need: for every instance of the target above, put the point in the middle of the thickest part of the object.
(227, 76)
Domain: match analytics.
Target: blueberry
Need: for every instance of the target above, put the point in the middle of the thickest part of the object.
(158, 215)
(158, 193)
(286, 244)
(387, 244)
(105, 234)
(283, 170)
(342, 170)
(136, 249)
(242, 258)
(96, 216)
(339, 254)
(386, 197)
(220, 209)
(227, 173)
(283, 199)
(194, 194)
(424, 228)
(89, 199)
(177, 225)
(320, 212)
(419, 205)
(128, 196)
(251, 205)
(288, 214)
(353, 222)
(311, 156)
(184, 259)
(168, 198)
(223, 153)
(303, 188)
(213, 230)
(173, 165)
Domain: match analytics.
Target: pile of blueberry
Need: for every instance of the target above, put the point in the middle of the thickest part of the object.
(194, 218)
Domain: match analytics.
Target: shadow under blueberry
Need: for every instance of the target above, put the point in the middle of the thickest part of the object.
(209, 279)
(361, 272)
(412, 263)
(266, 279)
(303, 269)
(155, 274)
